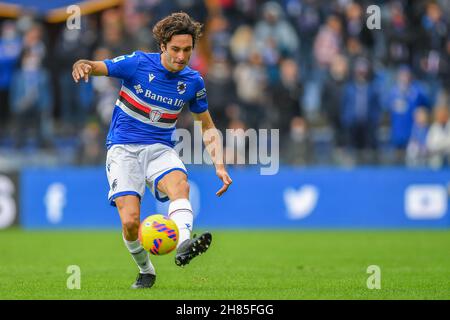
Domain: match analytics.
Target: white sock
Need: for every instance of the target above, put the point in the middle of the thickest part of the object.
(180, 211)
(140, 256)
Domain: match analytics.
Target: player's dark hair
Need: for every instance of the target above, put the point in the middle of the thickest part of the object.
(175, 24)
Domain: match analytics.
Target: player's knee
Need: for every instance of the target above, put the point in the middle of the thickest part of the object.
(130, 224)
(129, 215)
(180, 190)
(184, 187)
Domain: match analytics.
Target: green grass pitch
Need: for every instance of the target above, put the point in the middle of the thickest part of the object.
(264, 264)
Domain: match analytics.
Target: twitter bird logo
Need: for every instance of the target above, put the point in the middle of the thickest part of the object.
(302, 202)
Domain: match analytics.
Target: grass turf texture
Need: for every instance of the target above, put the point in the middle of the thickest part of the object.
(294, 264)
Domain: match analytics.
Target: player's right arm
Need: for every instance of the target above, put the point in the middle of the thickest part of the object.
(82, 69)
(122, 67)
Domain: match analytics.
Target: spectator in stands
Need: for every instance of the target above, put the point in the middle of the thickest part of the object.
(438, 138)
(219, 37)
(305, 16)
(354, 50)
(360, 112)
(221, 90)
(328, 42)
(274, 35)
(31, 101)
(285, 98)
(112, 36)
(405, 97)
(446, 66)
(355, 25)
(399, 36)
(237, 153)
(241, 43)
(332, 95)
(416, 152)
(76, 100)
(196, 9)
(434, 27)
(33, 42)
(327, 45)
(430, 48)
(138, 32)
(91, 148)
(251, 83)
(298, 149)
(10, 48)
(105, 91)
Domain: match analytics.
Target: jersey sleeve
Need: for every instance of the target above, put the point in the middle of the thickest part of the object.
(199, 103)
(123, 67)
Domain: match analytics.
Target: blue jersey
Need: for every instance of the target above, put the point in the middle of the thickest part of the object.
(151, 98)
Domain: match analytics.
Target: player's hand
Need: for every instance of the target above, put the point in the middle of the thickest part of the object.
(81, 70)
(223, 175)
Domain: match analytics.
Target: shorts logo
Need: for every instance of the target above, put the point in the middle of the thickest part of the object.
(114, 185)
(154, 115)
(181, 87)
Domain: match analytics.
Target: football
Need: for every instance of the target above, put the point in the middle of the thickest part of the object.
(158, 234)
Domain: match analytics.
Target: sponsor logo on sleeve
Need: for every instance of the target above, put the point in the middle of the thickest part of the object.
(201, 94)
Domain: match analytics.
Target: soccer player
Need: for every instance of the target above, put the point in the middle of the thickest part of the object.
(155, 87)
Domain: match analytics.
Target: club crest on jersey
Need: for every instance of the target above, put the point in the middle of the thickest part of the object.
(181, 87)
(155, 115)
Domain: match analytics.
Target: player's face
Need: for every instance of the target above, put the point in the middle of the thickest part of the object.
(177, 52)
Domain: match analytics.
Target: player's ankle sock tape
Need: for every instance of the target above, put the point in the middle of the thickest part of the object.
(140, 256)
(180, 211)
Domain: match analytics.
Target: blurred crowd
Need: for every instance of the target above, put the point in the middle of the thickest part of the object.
(339, 92)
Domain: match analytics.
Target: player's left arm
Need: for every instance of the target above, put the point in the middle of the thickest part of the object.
(213, 144)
